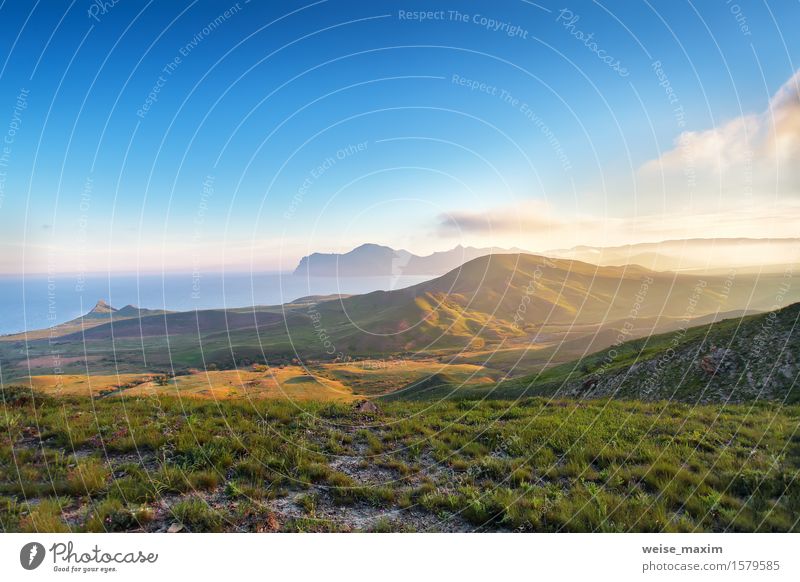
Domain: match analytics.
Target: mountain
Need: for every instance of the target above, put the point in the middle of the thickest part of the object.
(734, 360)
(708, 256)
(711, 256)
(531, 310)
(168, 324)
(376, 260)
(101, 314)
(101, 310)
(528, 299)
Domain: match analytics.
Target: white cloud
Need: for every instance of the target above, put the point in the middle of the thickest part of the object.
(752, 158)
(741, 179)
(528, 226)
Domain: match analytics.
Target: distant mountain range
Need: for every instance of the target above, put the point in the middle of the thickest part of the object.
(711, 256)
(377, 260)
(746, 255)
(520, 298)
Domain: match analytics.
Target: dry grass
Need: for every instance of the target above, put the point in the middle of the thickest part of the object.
(291, 382)
(326, 382)
(83, 385)
(375, 377)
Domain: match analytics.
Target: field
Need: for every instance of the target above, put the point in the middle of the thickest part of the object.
(291, 382)
(161, 463)
(396, 376)
(320, 381)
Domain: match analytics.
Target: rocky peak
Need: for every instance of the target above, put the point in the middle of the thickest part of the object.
(102, 307)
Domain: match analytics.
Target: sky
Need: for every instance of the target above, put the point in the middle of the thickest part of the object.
(215, 135)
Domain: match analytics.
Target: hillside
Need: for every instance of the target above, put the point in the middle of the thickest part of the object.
(179, 323)
(735, 360)
(529, 299)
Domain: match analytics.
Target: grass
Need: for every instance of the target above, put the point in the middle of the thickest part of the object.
(195, 514)
(143, 463)
(287, 382)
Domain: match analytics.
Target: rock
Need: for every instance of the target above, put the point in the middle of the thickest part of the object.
(367, 407)
(175, 527)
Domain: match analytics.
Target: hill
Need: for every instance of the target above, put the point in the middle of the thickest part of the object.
(102, 313)
(529, 299)
(753, 358)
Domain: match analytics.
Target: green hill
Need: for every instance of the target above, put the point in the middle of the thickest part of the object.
(527, 299)
(735, 360)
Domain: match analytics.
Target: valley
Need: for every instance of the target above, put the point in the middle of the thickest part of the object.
(514, 393)
(498, 326)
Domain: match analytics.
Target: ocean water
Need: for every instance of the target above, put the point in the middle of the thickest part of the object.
(37, 302)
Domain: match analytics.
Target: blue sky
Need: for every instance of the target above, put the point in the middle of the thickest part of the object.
(249, 155)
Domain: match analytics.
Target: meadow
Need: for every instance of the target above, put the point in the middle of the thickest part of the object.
(166, 463)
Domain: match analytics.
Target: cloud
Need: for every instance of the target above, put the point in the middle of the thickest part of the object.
(524, 217)
(529, 226)
(751, 157)
(741, 179)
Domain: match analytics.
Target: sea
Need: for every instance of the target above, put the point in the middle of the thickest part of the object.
(36, 302)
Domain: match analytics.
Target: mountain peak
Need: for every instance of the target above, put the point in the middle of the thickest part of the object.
(128, 309)
(371, 246)
(102, 307)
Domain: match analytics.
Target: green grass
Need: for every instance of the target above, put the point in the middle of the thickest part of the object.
(198, 516)
(759, 363)
(534, 465)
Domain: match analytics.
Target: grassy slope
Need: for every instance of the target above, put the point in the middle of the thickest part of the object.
(730, 360)
(449, 466)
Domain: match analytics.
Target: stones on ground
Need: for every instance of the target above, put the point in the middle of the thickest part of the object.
(367, 407)
(175, 528)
